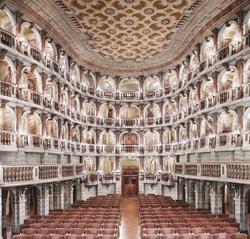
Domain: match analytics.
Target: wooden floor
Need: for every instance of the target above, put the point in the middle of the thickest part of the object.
(130, 218)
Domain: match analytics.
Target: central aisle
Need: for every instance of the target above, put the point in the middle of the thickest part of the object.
(130, 218)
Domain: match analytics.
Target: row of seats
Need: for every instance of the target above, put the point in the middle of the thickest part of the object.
(83, 221)
(164, 218)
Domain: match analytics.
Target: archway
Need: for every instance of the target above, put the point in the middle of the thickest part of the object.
(8, 213)
(31, 201)
(130, 178)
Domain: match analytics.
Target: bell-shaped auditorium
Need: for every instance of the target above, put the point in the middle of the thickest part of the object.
(124, 119)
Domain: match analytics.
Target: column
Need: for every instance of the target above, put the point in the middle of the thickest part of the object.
(43, 201)
(216, 203)
(241, 212)
(199, 195)
(1, 214)
(190, 193)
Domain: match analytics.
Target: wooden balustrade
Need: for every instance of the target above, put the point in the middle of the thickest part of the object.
(211, 170)
(7, 38)
(17, 174)
(7, 89)
(67, 170)
(191, 169)
(48, 172)
(238, 171)
(35, 53)
(178, 168)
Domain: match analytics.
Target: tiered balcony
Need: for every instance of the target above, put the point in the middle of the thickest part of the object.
(36, 53)
(32, 142)
(30, 96)
(152, 121)
(152, 149)
(106, 121)
(7, 140)
(7, 89)
(228, 140)
(129, 122)
(7, 38)
(129, 96)
(51, 143)
(129, 149)
(229, 95)
(107, 149)
(153, 94)
(226, 171)
(14, 175)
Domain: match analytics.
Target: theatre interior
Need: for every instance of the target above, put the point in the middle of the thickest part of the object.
(124, 119)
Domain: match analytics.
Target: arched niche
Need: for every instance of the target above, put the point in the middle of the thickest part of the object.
(63, 64)
(90, 165)
(193, 96)
(107, 165)
(152, 166)
(207, 88)
(193, 130)
(107, 138)
(31, 80)
(152, 111)
(88, 80)
(246, 120)
(246, 72)
(246, 26)
(31, 124)
(183, 72)
(194, 61)
(170, 79)
(52, 128)
(229, 34)
(208, 49)
(89, 108)
(129, 138)
(65, 131)
(75, 134)
(75, 104)
(169, 107)
(169, 136)
(74, 72)
(227, 121)
(7, 21)
(30, 37)
(182, 133)
(51, 89)
(152, 138)
(107, 84)
(107, 111)
(7, 113)
(88, 137)
(183, 103)
(207, 127)
(50, 51)
(129, 85)
(7, 70)
(129, 112)
(228, 79)
(152, 83)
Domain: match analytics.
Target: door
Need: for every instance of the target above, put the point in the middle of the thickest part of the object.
(130, 183)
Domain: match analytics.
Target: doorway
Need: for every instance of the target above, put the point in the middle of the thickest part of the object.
(130, 182)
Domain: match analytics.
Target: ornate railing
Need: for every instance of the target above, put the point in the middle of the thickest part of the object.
(211, 170)
(7, 38)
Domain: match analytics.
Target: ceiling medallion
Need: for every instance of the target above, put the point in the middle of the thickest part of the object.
(149, 11)
(146, 31)
(112, 31)
(109, 11)
(129, 1)
(129, 22)
(165, 21)
(129, 39)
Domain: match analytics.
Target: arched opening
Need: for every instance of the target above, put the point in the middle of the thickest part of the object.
(50, 54)
(129, 142)
(129, 115)
(7, 73)
(88, 81)
(207, 53)
(108, 140)
(30, 41)
(107, 167)
(152, 86)
(129, 88)
(152, 141)
(107, 113)
(183, 73)
(31, 196)
(7, 21)
(8, 213)
(152, 167)
(152, 114)
(170, 80)
(229, 39)
(194, 63)
(107, 85)
(74, 74)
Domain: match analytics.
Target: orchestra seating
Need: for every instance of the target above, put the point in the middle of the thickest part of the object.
(96, 218)
(164, 218)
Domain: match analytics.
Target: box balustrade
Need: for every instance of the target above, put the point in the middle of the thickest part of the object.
(7, 138)
(7, 89)
(7, 38)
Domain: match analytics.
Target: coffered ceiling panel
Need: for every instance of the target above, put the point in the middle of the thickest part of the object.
(128, 29)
